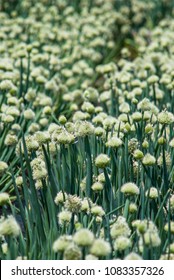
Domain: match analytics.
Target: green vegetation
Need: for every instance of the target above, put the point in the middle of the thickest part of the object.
(86, 129)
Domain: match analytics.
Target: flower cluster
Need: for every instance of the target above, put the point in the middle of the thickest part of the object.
(86, 129)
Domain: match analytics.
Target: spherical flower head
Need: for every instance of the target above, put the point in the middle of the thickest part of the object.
(64, 217)
(137, 116)
(141, 226)
(43, 122)
(114, 142)
(149, 128)
(62, 243)
(133, 208)
(100, 248)
(72, 252)
(153, 193)
(83, 237)
(145, 144)
(19, 181)
(54, 128)
(79, 116)
(149, 160)
(3, 167)
(166, 227)
(7, 119)
(11, 140)
(127, 128)
(99, 131)
(6, 85)
(147, 116)
(9, 226)
(16, 127)
(65, 138)
(4, 198)
(98, 120)
(73, 203)
(122, 243)
(29, 114)
(84, 128)
(130, 189)
(138, 154)
(31, 143)
(42, 137)
(47, 110)
(98, 109)
(60, 197)
(62, 120)
(120, 228)
(144, 105)
(151, 238)
(97, 187)
(144, 225)
(106, 68)
(124, 108)
(38, 169)
(78, 225)
(30, 95)
(97, 211)
(88, 107)
(101, 178)
(34, 127)
(165, 117)
(70, 127)
(91, 95)
(153, 79)
(161, 140)
(133, 256)
(98, 219)
(102, 161)
(135, 101)
(109, 122)
(86, 204)
(13, 111)
(91, 257)
(122, 118)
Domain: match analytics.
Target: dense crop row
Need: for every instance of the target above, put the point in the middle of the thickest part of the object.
(86, 130)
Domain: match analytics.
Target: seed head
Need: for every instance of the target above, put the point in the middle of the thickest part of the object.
(165, 117)
(83, 237)
(100, 248)
(64, 217)
(9, 226)
(3, 167)
(62, 243)
(130, 189)
(102, 161)
(120, 228)
(149, 160)
(73, 203)
(72, 252)
(4, 198)
(122, 243)
(97, 187)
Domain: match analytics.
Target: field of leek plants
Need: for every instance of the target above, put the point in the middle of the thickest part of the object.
(87, 129)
